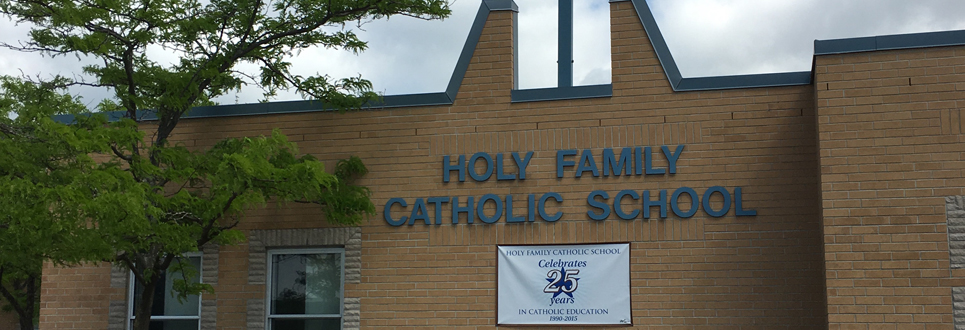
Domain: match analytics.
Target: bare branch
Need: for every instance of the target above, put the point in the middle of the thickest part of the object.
(121, 155)
(14, 131)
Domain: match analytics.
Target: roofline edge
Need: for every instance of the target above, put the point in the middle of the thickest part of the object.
(889, 42)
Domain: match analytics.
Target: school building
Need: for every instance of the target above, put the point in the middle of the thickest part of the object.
(831, 198)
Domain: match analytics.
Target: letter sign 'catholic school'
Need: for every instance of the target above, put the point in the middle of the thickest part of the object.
(602, 205)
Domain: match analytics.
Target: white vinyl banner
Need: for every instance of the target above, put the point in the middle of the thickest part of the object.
(586, 284)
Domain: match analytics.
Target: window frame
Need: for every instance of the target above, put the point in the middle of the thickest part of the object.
(130, 297)
(270, 253)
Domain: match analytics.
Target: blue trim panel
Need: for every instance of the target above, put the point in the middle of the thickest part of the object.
(564, 59)
(889, 42)
(498, 5)
(390, 101)
(63, 119)
(411, 100)
(111, 116)
(838, 46)
(745, 81)
(251, 109)
(569, 93)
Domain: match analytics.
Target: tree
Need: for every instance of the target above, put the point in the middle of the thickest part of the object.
(150, 201)
(45, 168)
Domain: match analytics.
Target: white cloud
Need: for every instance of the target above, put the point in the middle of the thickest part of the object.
(725, 37)
(706, 37)
(537, 44)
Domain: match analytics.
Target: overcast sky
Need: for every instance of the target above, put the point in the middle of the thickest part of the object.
(706, 37)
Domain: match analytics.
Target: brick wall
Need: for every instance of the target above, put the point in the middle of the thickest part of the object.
(77, 298)
(889, 125)
(762, 272)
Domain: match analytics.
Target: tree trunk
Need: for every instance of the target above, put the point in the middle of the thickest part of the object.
(25, 314)
(27, 317)
(142, 311)
(26, 323)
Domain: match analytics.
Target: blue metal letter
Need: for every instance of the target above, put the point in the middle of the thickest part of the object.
(647, 158)
(482, 204)
(460, 166)
(738, 205)
(387, 212)
(706, 202)
(509, 212)
(694, 205)
(531, 209)
(661, 203)
(522, 163)
(605, 209)
(618, 207)
(560, 162)
(419, 212)
(542, 207)
(472, 166)
(611, 163)
(587, 164)
(469, 210)
(500, 176)
(438, 201)
(672, 158)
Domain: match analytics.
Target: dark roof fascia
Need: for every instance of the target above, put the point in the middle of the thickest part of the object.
(111, 116)
(889, 42)
(389, 101)
(744, 81)
(557, 93)
(252, 109)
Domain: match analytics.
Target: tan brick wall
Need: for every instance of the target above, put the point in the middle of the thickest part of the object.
(76, 298)
(762, 272)
(890, 127)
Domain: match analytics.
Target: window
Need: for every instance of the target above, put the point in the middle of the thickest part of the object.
(168, 313)
(305, 289)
